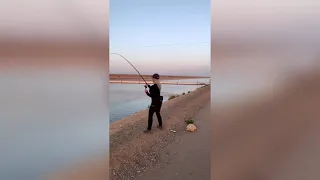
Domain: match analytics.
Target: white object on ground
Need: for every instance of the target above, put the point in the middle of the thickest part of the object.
(191, 127)
(173, 131)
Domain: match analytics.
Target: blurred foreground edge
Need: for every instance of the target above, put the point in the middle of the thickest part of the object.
(272, 139)
(37, 47)
(95, 169)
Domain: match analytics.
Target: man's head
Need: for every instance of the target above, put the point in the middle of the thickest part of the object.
(155, 77)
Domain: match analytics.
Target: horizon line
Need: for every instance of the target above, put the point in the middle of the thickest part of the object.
(119, 74)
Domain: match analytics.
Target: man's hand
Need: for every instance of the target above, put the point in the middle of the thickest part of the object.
(145, 90)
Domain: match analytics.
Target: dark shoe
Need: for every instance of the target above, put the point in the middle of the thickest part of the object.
(147, 130)
(160, 127)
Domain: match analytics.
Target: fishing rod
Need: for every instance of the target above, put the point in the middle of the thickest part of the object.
(131, 65)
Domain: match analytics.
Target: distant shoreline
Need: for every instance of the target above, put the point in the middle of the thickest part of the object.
(163, 82)
(136, 77)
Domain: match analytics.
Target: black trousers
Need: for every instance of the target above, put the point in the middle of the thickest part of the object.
(154, 108)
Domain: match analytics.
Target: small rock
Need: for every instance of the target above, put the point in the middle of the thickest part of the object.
(191, 128)
(173, 131)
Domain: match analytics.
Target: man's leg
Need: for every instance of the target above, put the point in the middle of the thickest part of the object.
(159, 115)
(150, 116)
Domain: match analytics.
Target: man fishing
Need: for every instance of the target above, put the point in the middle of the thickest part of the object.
(156, 101)
(154, 93)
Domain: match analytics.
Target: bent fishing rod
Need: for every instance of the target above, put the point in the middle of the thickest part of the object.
(131, 65)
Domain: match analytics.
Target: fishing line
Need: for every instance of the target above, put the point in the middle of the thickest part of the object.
(181, 44)
(131, 65)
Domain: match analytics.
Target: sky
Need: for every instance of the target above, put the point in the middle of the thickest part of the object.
(163, 36)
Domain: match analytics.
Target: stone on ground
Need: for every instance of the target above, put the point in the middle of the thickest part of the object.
(191, 127)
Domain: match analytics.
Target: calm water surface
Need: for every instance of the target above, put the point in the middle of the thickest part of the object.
(126, 99)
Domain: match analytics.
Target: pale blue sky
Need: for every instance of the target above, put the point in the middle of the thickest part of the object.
(178, 32)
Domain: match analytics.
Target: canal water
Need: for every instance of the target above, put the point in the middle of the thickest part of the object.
(127, 99)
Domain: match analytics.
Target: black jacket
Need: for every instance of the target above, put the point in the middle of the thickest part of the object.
(154, 93)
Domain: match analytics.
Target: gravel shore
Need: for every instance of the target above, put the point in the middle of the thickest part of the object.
(132, 152)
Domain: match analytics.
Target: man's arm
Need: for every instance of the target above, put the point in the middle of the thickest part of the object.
(146, 91)
(147, 85)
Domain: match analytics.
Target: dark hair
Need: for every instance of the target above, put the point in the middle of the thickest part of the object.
(156, 76)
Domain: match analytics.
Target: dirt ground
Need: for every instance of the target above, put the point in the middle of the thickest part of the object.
(188, 156)
(133, 153)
